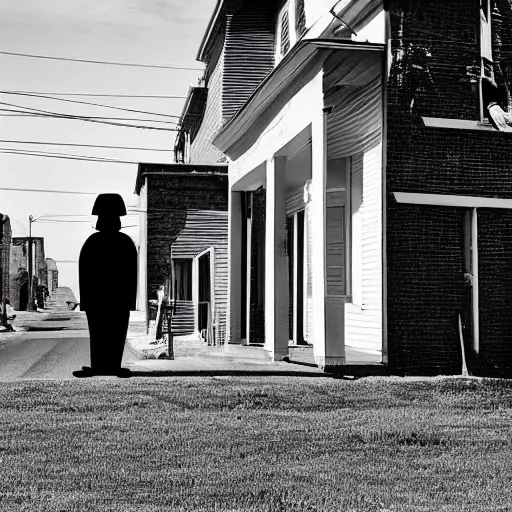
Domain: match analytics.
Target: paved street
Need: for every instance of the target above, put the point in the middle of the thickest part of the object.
(51, 345)
(48, 355)
(47, 346)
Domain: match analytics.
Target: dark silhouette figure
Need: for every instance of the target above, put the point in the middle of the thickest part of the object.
(108, 287)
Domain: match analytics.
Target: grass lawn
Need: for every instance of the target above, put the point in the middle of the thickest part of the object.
(256, 443)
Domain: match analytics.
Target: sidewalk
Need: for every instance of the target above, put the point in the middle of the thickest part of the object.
(194, 357)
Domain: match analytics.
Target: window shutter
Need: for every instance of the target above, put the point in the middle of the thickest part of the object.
(300, 18)
(285, 31)
(335, 251)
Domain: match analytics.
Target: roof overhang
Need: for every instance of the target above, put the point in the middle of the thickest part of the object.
(210, 30)
(187, 170)
(193, 108)
(302, 58)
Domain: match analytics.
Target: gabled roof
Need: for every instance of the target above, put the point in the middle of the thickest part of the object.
(219, 8)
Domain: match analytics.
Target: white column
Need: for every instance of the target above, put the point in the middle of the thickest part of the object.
(318, 226)
(233, 320)
(276, 263)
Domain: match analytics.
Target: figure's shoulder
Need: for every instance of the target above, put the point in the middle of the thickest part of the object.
(91, 240)
(125, 239)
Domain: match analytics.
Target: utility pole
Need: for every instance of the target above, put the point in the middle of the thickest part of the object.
(30, 283)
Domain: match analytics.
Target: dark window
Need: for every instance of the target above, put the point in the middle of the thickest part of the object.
(285, 31)
(183, 279)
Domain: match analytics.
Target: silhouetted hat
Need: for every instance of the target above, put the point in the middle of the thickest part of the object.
(109, 204)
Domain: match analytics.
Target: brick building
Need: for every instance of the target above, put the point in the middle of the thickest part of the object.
(183, 223)
(5, 255)
(449, 188)
(52, 276)
(19, 270)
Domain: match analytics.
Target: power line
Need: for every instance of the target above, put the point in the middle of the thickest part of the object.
(50, 114)
(97, 95)
(39, 151)
(81, 145)
(21, 113)
(87, 103)
(48, 191)
(65, 157)
(106, 62)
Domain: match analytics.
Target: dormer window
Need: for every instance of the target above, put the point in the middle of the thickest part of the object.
(291, 26)
(300, 18)
(284, 25)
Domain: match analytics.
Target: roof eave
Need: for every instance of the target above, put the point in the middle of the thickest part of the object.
(209, 31)
(223, 138)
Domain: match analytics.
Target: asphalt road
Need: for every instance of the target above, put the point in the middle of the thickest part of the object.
(47, 355)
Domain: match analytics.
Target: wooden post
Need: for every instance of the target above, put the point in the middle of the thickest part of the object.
(317, 210)
(170, 335)
(276, 262)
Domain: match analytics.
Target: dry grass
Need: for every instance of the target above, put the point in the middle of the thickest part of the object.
(256, 444)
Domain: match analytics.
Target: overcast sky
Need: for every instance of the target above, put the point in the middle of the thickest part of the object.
(161, 32)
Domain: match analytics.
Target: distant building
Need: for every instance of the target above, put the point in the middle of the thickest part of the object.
(184, 220)
(19, 270)
(5, 254)
(52, 275)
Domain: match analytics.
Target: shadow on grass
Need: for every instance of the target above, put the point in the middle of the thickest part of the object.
(232, 373)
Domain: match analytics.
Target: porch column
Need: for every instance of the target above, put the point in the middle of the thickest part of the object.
(234, 313)
(318, 227)
(276, 263)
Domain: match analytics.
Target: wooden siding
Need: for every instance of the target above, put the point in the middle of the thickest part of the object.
(183, 321)
(363, 325)
(202, 150)
(353, 87)
(248, 55)
(355, 124)
(294, 201)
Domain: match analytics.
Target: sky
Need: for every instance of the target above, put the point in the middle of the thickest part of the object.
(158, 32)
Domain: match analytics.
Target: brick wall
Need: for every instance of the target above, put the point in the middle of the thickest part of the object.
(425, 288)
(495, 286)
(425, 276)
(5, 254)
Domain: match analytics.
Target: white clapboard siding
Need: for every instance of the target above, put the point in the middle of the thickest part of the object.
(363, 325)
(355, 124)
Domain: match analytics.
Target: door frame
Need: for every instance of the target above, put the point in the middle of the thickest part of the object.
(471, 203)
(195, 285)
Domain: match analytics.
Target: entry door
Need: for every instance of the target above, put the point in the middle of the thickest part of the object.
(469, 314)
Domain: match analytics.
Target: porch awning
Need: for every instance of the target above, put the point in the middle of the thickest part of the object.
(292, 71)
